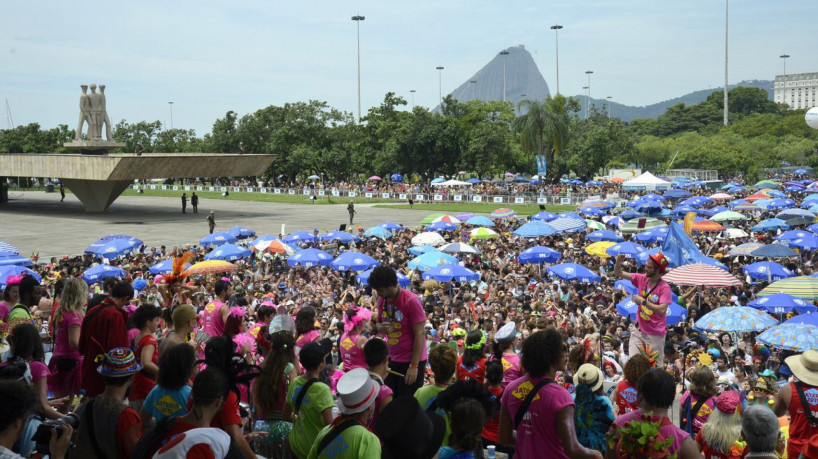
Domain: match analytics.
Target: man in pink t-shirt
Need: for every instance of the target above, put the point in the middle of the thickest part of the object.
(653, 298)
(215, 312)
(401, 318)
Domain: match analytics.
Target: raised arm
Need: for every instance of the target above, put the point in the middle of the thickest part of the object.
(618, 268)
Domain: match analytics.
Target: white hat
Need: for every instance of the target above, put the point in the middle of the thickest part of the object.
(356, 391)
(804, 367)
(505, 333)
(206, 442)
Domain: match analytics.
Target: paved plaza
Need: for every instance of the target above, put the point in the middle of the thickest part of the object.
(38, 222)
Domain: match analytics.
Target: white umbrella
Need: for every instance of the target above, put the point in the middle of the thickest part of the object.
(459, 247)
(428, 238)
(736, 233)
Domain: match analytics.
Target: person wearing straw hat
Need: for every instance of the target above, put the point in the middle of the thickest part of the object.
(594, 412)
(799, 398)
(107, 426)
(347, 436)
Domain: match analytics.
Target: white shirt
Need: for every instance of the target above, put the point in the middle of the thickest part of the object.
(6, 453)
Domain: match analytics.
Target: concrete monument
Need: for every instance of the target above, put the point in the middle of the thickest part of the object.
(94, 113)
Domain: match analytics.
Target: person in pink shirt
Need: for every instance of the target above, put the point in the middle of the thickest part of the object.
(352, 341)
(305, 331)
(402, 319)
(653, 299)
(503, 348)
(11, 296)
(546, 428)
(215, 312)
(66, 361)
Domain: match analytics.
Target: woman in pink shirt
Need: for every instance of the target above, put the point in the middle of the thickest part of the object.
(352, 341)
(503, 348)
(65, 364)
(305, 331)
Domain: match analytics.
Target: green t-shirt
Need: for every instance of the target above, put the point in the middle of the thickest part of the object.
(425, 396)
(18, 313)
(309, 420)
(353, 443)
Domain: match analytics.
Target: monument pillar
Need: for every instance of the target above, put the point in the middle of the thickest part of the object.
(97, 195)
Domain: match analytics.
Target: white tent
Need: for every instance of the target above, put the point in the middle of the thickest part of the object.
(452, 183)
(646, 181)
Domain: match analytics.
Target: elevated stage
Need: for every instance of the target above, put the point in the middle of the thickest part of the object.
(98, 180)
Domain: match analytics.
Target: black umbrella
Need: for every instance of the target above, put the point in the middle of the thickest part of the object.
(799, 221)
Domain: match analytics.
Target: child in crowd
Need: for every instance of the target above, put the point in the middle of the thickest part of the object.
(442, 360)
(376, 354)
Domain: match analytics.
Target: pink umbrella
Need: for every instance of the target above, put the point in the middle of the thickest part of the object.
(701, 274)
(509, 174)
(374, 177)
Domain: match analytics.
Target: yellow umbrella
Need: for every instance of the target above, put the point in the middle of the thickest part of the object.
(599, 248)
(209, 267)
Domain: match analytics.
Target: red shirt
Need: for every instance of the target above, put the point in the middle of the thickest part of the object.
(800, 430)
(129, 419)
(142, 384)
(229, 415)
(477, 373)
(491, 429)
(104, 331)
(625, 397)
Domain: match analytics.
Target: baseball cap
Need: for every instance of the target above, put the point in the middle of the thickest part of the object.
(314, 353)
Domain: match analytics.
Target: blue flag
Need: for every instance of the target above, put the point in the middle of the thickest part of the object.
(679, 248)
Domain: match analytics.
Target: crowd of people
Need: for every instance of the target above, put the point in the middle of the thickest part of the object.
(269, 358)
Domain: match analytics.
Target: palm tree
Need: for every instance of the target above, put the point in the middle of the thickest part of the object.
(544, 128)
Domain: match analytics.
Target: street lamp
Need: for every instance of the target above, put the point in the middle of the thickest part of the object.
(504, 53)
(609, 105)
(439, 69)
(412, 91)
(472, 84)
(784, 58)
(170, 104)
(726, 11)
(556, 28)
(585, 91)
(588, 72)
(358, 19)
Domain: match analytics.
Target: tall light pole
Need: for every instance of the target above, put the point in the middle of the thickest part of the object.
(170, 104)
(609, 105)
(412, 91)
(726, 11)
(358, 19)
(588, 72)
(504, 53)
(556, 28)
(439, 69)
(585, 91)
(784, 58)
(471, 85)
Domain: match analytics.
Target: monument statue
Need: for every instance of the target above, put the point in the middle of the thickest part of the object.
(85, 112)
(94, 129)
(94, 114)
(109, 134)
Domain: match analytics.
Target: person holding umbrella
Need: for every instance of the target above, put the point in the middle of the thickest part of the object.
(653, 298)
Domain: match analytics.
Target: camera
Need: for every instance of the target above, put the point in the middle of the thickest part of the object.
(42, 436)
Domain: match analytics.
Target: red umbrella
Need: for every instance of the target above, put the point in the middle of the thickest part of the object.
(701, 274)
(707, 225)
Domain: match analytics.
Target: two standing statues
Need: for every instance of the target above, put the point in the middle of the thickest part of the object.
(92, 112)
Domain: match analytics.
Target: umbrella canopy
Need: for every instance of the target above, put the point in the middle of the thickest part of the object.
(421, 249)
(97, 273)
(600, 248)
(465, 216)
(805, 287)
(447, 219)
(113, 246)
(205, 268)
(355, 261)
(807, 243)
(767, 271)
(313, 177)
(774, 251)
(677, 193)
(377, 231)
(614, 222)
(810, 319)
(13, 259)
(675, 312)
(480, 221)
(310, 257)
(701, 274)
(744, 249)
(781, 203)
(241, 232)
(545, 216)
(429, 260)
(300, 236)
(799, 221)
(344, 237)
(483, 233)
(396, 177)
(772, 224)
(798, 337)
(391, 226)
(782, 303)
(573, 272)
(12, 270)
(474, 181)
(766, 184)
(6, 247)
(727, 216)
(652, 235)
(633, 226)
(568, 224)
(706, 225)
(363, 278)
(459, 247)
(535, 228)
(595, 225)
(592, 211)
(604, 235)
(735, 319)
(629, 249)
(229, 252)
(451, 273)
(791, 213)
(375, 178)
(538, 254)
(216, 239)
(274, 246)
(441, 226)
(503, 212)
(721, 197)
(262, 238)
(430, 219)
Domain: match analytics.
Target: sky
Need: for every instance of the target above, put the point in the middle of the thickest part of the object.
(209, 57)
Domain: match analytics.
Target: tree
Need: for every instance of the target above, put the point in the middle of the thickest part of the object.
(141, 133)
(31, 138)
(544, 129)
(745, 101)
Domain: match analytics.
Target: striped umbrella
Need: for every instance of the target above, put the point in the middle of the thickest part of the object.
(567, 225)
(637, 225)
(503, 212)
(805, 287)
(483, 233)
(447, 219)
(430, 219)
(6, 247)
(735, 319)
(593, 224)
(707, 225)
(701, 274)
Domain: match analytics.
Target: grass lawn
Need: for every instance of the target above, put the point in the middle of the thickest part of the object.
(480, 208)
(263, 197)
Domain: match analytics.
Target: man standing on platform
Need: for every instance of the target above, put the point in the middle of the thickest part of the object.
(184, 203)
(194, 201)
(653, 299)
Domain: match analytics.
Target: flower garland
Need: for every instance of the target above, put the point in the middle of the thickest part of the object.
(478, 345)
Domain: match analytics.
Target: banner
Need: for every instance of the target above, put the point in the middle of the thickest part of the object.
(541, 166)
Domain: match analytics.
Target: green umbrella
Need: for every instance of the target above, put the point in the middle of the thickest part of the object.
(595, 224)
(727, 216)
(632, 226)
(430, 219)
(483, 233)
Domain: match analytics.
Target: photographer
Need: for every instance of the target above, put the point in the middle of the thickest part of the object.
(19, 401)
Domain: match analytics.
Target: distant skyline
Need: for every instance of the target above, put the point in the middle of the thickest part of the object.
(211, 57)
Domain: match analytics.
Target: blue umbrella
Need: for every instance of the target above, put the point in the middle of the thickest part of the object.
(15, 270)
(675, 313)
(774, 251)
(652, 235)
(604, 235)
(165, 267)
(677, 194)
(241, 232)
(630, 214)
(795, 189)
(216, 239)
(798, 337)
(653, 197)
(391, 226)
(229, 252)
(451, 273)
(363, 278)
(813, 228)
(480, 221)
(112, 248)
(538, 254)
(567, 225)
(396, 177)
(681, 211)
(310, 257)
(355, 261)
(571, 215)
(438, 180)
(737, 189)
(545, 216)
(776, 204)
(767, 271)
(782, 303)
(807, 243)
(792, 235)
(6, 247)
(800, 172)
(629, 249)
(11, 258)
(441, 226)
(592, 211)
(626, 286)
(421, 249)
(573, 272)
(812, 197)
(300, 236)
(616, 222)
(429, 260)
(594, 183)
(809, 319)
(343, 237)
(790, 213)
(377, 231)
(473, 181)
(772, 224)
(535, 228)
(97, 273)
(735, 319)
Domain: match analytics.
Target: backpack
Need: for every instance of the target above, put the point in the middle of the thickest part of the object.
(152, 440)
(689, 413)
(16, 369)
